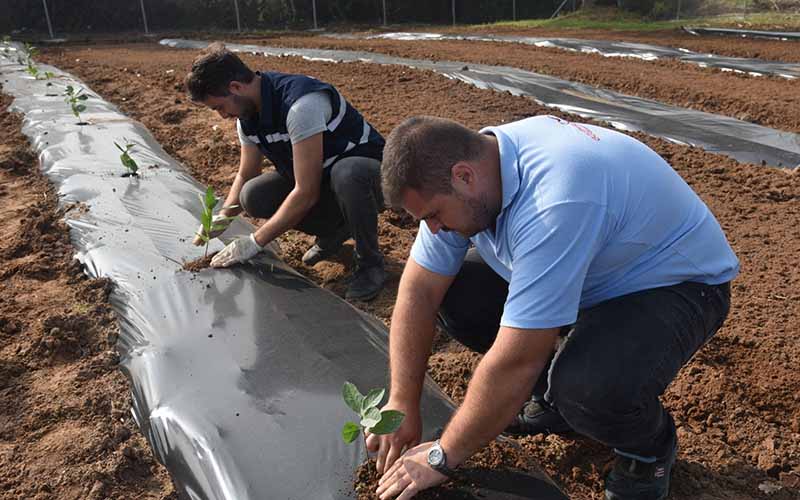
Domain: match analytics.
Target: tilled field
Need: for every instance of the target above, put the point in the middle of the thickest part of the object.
(769, 101)
(737, 404)
(66, 430)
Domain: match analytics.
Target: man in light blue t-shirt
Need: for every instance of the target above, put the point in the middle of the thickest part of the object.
(582, 266)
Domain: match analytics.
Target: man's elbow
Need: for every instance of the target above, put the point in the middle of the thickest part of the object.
(307, 198)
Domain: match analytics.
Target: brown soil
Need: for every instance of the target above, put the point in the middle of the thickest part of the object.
(755, 48)
(198, 264)
(768, 101)
(737, 403)
(66, 430)
(503, 459)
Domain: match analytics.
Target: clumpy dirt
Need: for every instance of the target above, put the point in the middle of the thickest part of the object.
(66, 430)
(199, 264)
(736, 404)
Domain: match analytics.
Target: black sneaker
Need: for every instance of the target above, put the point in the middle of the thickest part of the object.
(324, 248)
(635, 479)
(536, 417)
(366, 283)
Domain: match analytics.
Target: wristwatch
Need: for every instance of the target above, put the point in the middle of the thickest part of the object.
(437, 459)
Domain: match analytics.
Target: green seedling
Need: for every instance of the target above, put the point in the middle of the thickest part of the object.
(207, 222)
(127, 161)
(372, 420)
(74, 98)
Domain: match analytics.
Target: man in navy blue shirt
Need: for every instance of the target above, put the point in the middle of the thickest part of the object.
(582, 266)
(326, 156)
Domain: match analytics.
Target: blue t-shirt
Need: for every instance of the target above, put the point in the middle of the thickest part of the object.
(588, 214)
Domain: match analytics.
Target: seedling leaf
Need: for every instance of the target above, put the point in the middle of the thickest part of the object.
(373, 399)
(390, 422)
(370, 418)
(352, 397)
(350, 432)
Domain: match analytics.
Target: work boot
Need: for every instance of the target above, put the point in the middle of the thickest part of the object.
(366, 283)
(640, 478)
(327, 247)
(537, 417)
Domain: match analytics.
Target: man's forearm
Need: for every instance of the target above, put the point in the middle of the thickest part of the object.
(232, 200)
(410, 340)
(500, 385)
(289, 214)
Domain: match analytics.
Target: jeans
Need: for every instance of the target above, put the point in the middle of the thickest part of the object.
(613, 363)
(350, 196)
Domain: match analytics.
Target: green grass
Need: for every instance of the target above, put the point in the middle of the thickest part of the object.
(613, 19)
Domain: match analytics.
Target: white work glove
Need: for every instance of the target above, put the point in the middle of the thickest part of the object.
(239, 250)
(219, 223)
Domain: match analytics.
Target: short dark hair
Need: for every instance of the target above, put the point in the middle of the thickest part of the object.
(420, 154)
(213, 70)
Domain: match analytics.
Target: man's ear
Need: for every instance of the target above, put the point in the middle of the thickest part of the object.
(462, 175)
(236, 88)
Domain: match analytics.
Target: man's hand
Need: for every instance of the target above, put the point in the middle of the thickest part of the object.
(391, 446)
(409, 475)
(239, 250)
(219, 223)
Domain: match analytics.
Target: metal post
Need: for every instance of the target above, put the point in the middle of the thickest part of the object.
(238, 22)
(559, 9)
(47, 16)
(314, 10)
(453, 5)
(144, 17)
(384, 12)
(514, 10)
(678, 12)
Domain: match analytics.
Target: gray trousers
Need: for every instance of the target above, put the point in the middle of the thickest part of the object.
(350, 198)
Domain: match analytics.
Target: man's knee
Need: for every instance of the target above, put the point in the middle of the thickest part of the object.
(246, 195)
(581, 393)
(354, 175)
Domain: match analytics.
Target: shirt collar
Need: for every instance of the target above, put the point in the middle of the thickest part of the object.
(509, 165)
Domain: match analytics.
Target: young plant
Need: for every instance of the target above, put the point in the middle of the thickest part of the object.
(372, 420)
(74, 98)
(127, 161)
(207, 222)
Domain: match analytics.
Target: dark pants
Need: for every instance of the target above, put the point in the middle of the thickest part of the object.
(350, 196)
(611, 366)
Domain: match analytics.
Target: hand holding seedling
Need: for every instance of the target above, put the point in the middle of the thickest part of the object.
(372, 420)
(127, 161)
(211, 225)
(239, 250)
(74, 98)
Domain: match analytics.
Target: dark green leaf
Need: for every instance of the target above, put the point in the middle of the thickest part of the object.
(390, 422)
(350, 432)
(83, 97)
(352, 397)
(81, 108)
(373, 398)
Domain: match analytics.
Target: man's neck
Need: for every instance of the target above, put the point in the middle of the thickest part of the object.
(256, 96)
(495, 177)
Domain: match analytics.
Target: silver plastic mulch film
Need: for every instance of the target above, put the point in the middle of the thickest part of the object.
(609, 48)
(743, 141)
(776, 35)
(236, 374)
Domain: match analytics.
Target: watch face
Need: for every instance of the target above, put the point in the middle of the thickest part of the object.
(435, 456)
